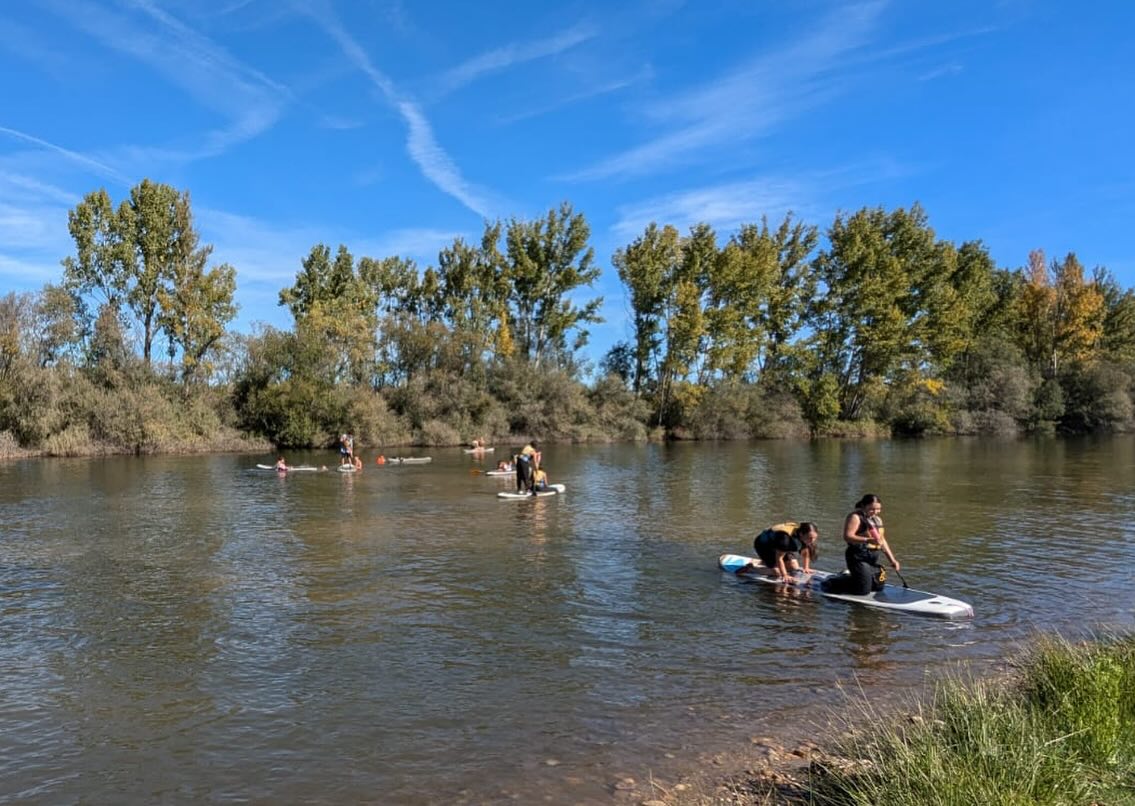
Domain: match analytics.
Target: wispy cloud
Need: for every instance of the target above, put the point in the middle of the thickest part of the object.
(728, 205)
(747, 102)
(939, 72)
(29, 46)
(420, 243)
(249, 100)
(82, 160)
(424, 150)
(27, 274)
(513, 54)
(923, 44)
(592, 92)
(269, 252)
(33, 230)
(268, 255)
(724, 206)
(12, 184)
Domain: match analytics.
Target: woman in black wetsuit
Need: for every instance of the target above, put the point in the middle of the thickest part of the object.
(778, 548)
(527, 463)
(864, 534)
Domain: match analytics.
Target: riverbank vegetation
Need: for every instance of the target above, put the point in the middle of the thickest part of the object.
(1061, 731)
(873, 327)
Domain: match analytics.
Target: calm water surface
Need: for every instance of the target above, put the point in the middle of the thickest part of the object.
(180, 629)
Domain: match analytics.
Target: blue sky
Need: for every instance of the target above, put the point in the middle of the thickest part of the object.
(393, 126)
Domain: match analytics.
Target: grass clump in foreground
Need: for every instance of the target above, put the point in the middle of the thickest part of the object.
(1063, 732)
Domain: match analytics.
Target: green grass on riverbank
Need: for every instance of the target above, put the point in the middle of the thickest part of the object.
(1063, 732)
(1059, 731)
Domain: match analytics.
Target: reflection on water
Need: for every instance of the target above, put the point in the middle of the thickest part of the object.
(188, 628)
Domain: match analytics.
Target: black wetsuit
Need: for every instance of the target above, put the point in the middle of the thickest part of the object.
(525, 472)
(771, 541)
(862, 563)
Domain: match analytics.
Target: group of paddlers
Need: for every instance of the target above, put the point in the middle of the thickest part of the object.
(788, 548)
(530, 477)
(347, 452)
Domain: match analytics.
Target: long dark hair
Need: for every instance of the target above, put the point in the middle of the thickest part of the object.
(802, 531)
(867, 500)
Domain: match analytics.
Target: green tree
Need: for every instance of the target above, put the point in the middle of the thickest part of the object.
(131, 257)
(872, 318)
(108, 360)
(758, 290)
(337, 307)
(313, 282)
(958, 301)
(473, 287)
(195, 310)
(57, 324)
(547, 261)
(648, 268)
(793, 286)
(1118, 336)
(100, 264)
(157, 231)
(686, 327)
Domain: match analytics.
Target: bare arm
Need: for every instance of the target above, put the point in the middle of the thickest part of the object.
(781, 568)
(877, 535)
(850, 527)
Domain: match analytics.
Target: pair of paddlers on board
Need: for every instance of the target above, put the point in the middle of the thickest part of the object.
(530, 477)
(788, 548)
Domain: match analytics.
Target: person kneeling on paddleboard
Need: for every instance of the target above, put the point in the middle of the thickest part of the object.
(779, 546)
(864, 534)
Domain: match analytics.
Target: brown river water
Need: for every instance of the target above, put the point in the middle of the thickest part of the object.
(191, 629)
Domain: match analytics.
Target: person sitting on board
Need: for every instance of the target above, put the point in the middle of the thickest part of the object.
(540, 480)
(281, 465)
(864, 534)
(357, 462)
(504, 466)
(779, 546)
(527, 463)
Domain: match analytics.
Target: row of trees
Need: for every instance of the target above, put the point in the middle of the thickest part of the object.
(885, 322)
(878, 326)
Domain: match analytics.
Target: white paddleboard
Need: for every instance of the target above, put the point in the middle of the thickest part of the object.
(553, 489)
(289, 469)
(479, 450)
(500, 472)
(348, 469)
(409, 460)
(891, 597)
